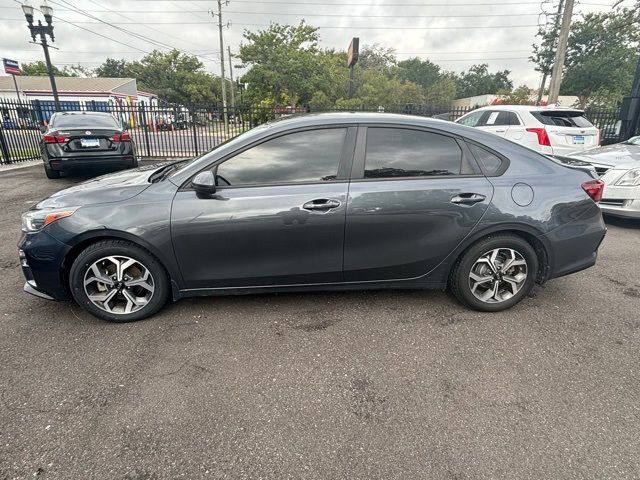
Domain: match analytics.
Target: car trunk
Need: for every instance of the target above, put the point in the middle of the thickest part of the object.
(81, 142)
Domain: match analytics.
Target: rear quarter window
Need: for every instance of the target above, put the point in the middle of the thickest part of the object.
(490, 163)
(563, 119)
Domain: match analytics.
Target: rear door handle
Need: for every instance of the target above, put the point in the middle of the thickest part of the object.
(321, 204)
(468, 198)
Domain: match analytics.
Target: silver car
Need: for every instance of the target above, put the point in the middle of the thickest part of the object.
(619, 168)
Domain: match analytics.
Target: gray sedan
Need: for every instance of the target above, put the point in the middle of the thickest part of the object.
(333, 201)
(619, 168)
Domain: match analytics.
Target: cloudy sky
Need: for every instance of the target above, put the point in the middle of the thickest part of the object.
(452, 33)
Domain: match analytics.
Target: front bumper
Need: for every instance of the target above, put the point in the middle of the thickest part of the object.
(41, 259)
(621, 208)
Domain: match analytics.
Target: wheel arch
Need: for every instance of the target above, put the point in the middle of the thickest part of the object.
(531, 235)
(82, 241)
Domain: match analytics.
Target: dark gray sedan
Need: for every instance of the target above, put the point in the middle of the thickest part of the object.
(319, 202)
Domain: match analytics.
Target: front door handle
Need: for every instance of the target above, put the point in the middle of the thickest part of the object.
(321, 204)
(468, 199)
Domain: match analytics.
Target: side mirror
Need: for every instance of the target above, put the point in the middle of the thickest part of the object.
(204, 183)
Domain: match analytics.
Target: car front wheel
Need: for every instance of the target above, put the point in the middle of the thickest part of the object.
(495, 273)
(118, 281)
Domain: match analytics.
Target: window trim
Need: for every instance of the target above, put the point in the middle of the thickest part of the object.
(344, 165)
(357, 170)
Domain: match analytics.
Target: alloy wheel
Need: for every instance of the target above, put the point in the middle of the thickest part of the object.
(119, 284)
(498, 275)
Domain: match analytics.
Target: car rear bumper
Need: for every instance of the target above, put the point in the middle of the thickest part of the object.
(70, 163)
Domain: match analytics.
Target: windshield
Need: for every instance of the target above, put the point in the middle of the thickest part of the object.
(562, 118)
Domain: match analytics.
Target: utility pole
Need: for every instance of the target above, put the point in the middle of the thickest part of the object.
(556, 25)
(222, 78)
(233, 96)
(561, 53)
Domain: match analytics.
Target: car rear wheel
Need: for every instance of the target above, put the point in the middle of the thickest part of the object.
(495, 273)
(50, 173)
(118, 281)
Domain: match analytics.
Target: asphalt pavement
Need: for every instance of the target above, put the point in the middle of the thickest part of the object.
(388, 384)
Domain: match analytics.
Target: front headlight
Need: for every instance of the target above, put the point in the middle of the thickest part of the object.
(630, 179)
(36, 220)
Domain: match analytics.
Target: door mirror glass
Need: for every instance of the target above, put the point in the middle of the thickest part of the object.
(204, 183)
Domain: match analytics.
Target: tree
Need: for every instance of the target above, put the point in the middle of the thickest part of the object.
(522, 95)
(602, 56)
(421, 72)
(441, 94)
(39, 68)
(377, 58)
(283, 62)
(173, 76)
(479, 81)
(112, 68)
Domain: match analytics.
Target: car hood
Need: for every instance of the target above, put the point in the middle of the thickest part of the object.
(618, 156)
(114, 187)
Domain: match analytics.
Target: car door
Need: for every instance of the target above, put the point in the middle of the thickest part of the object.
(277, 217)
(516, 131)
(415, 194)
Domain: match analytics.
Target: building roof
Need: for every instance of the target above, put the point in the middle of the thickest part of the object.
(64, 84)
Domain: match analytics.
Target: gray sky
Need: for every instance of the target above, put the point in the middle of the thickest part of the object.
(452, 33)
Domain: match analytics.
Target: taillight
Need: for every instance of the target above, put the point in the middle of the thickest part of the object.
(594, 189)
(123, 137)
(53, 139)
(543, 137)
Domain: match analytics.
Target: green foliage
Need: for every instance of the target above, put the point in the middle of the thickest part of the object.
(283, 62)
(601, 57)
(522, 95)
(421, 72)
(173, 76)
(39, 68)
(479, 81)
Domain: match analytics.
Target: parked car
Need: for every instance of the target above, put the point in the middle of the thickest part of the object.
(619, 168)
(552, 131)
(75, 140)
(319, 202)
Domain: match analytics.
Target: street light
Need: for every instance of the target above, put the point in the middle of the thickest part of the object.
(43, 31)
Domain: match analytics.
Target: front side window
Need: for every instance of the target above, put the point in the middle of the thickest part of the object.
(310, 156)
(397, 152)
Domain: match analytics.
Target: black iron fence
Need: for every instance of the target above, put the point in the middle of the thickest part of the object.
(189, 130)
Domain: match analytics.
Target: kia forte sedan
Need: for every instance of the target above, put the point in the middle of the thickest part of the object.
(319, 202)
(83, 140)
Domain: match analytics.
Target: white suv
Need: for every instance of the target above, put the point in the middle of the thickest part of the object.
(548, 130)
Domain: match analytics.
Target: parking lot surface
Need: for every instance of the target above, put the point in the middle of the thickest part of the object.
(387, 384)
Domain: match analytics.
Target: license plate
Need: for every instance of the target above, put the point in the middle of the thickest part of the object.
(89, 142)
(578, 140)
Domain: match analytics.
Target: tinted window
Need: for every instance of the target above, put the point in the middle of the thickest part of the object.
(563, 118)
(496, 118)
(396, 152)
(513, 119)
(472, 119)
(490, 162)
(85, 121)
(311, 156)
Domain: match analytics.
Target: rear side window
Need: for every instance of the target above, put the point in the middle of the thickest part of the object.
(496, 118)
(563, 118)
(490, 162)
(398, 152)
(85, 121)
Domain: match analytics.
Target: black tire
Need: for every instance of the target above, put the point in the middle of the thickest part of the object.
(50, 173)
(459, 283)
(106, 248)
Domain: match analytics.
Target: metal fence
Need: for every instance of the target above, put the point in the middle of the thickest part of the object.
(189, 130)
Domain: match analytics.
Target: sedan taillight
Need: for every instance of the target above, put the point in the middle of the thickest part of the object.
(543, 137)
(594, 188)
(53, 139)
(123, 137)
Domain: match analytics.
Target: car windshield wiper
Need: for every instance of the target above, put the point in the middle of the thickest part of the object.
(162, 172)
